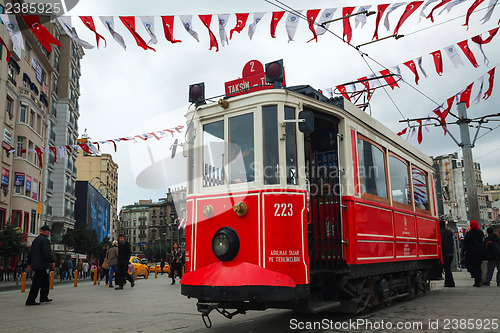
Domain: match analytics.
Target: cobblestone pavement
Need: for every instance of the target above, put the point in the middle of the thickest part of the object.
(154, 305)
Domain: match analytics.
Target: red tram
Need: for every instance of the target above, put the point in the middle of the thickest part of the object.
(303, 202)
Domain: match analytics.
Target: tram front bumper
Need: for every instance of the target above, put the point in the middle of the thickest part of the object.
(238, 282)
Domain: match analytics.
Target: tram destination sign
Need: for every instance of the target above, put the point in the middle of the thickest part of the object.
(253, 79)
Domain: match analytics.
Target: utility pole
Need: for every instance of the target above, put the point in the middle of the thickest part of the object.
(468, 164)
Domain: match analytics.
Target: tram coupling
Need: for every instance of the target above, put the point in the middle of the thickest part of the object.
(206, 308)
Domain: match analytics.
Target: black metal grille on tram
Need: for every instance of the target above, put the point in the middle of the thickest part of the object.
(325, 233)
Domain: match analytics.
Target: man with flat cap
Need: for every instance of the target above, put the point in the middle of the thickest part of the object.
(39, 259)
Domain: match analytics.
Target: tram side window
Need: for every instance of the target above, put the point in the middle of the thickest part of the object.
(241, 149)
(420, 195)
(271, 144)
(372, 169)
(213, 154)
(400, 181)
(291, 148)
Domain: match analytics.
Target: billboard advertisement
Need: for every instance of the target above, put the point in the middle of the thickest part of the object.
(93, 210)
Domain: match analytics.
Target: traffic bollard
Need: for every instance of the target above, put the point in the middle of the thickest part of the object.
(23, 283)
(95, 277)
(76, 278)
(156, 273)
(146, 276)
(135, 277)
(51, 279)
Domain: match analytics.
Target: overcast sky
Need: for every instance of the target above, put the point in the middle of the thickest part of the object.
(135, 91)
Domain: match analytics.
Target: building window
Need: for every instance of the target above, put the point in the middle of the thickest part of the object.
(22, 113)
(32, 119)
(27, 52)
(33, 224)
(39, 124)
(20, 145)
(29, 154)
(8, 107)
(372, 169)
(16, 219)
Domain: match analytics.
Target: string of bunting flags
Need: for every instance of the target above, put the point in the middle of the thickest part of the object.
(452, 51)
(318, 21)
(93, 148)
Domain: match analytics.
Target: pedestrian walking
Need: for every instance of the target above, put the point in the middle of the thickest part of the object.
(79, 268)
(85, 269)
(124, 253)
(39, 259)
(112, 256)
(474, 253)
(162, 264)
(176, 263)
(447, 252)
(70, 268)
(492, 251)
(93, 269)
(102, 256)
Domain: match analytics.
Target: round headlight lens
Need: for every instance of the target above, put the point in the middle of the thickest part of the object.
(225, 244)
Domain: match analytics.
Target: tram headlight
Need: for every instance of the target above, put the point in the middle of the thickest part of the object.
(225, 244)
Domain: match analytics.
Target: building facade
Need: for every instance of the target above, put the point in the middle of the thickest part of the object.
(31, 92)
(102, 173)
(452, 192)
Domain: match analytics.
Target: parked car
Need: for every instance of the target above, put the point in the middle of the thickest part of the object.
(157, 267)
(141, 269)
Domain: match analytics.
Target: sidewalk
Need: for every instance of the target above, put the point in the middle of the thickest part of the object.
(16, 285)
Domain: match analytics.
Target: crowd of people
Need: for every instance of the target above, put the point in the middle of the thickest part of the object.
(476, 250)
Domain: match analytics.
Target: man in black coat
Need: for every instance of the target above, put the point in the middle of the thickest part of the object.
(447, 251)
(474, 252)
(124, 253)
(492, 248)
(39, 259)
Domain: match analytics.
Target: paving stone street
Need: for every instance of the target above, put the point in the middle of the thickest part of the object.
(154, 305)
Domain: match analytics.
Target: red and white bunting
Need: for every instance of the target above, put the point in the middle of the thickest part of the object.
(89, 23)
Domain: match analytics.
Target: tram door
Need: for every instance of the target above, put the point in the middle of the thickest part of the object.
(322, 168)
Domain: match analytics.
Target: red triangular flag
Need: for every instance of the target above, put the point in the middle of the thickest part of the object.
(468, 53)
(39, 154)
(8, 52)
(450, 104)
(89, 22)
(168, 29)
(311, 18)
(487, 94)
(403, 132)
(274, 22)
(40, 32)
(113, 142)
(241, 21)
(442, 3)
(364, 81)
(410, 9)
(346, 11)
(411, 65)
(479, 40)
(380, 12)
(442, 115)
(69, 148)
(206, 19)
(465, 95)
(129, 22)
(419, 137)
(343, 91)
(85, 148)
(389, 79)
(54, 150)
(438, 61)
(470, 10)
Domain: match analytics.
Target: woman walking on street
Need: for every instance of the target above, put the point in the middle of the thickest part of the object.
(176, 263)
(474, 253)
(112, 256)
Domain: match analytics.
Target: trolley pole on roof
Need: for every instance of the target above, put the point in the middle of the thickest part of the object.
(468, 164)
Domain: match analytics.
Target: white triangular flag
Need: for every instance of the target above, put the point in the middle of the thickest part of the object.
(373, 83)
(222, 28)
(10, 23)
(393, 8)
(326, 16)
(422, 14)
(455, 57)
(413, 131)
(61, 151)
(361, 18)
(478, 97)
(330, 92)
(256, 19)
(149, 25)
(451, 4)
(419, 62)
(109, 23)
(292, 20)
(65, 22)
(491, 6)
(427, 122)
(486, 60)
(395, 70)
(187, 22)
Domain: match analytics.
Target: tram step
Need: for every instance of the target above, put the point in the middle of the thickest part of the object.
(321, 306)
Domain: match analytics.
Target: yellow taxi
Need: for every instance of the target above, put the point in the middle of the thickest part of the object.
(140, 268)
(157, 267)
